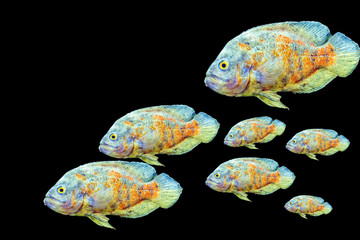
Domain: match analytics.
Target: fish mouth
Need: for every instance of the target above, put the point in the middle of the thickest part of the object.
(115, 152)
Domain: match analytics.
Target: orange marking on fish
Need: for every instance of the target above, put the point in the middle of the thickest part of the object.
(244, 46)
(324, 56)
(158, 117)
(229, 167)
(80, 177)
(192, 128)
(127, 123)
(150, 190)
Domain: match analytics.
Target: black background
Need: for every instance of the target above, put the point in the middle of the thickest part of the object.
(100, 63)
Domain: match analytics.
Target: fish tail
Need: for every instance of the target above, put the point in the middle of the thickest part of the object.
(347, 55)
(287, 177)
(343, 143)
(208, 127)
(279, 127)
(170, 191)
(327, 208)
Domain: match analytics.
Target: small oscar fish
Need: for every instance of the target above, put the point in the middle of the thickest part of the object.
(317, 141)
(305, 204)
(255, 175)
(298, 57)
(168, 129)
(125, 189)
(254, 130)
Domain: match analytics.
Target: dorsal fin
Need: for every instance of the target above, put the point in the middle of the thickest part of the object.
(143, 171)
(327, 132)
(266, 163)
(317, 199)
(317, 33)
(182, 112)
(264, 120)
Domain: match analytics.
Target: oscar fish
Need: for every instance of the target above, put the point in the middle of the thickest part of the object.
(255, 175)
(125, 189)
(298, 57)
(167, 129)
(317, 141)
(254, 130)
(311, 205)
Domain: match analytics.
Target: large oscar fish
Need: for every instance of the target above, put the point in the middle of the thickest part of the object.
(298, 57)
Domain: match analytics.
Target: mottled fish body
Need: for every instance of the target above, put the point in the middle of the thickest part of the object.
(317, 141)
(299, 57)
(125, 189)
(167, 129)
(255, 175)
(310, 205)
(254, 130)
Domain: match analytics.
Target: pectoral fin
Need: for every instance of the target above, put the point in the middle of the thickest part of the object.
(312, 156)
(251, 146)
(100, 220)
(271, 98)
(242, 195)
(151, 159)
(303, 215)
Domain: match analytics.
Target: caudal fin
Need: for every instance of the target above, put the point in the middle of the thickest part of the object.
(279, 127)
(327, 208)
(208, 127)
(287, 177)
(347, 55)
(170, 191)
(343, 143)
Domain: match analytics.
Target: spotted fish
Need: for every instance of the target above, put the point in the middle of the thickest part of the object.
(305, 204)
(317, 141)
(298, 57)
(254, 130)
(255, 175)
(125, 189)
(168, 129)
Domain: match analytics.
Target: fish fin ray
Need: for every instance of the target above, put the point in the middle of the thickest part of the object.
(100, 220)
(271, 98)
(343, 143)
(170, 191)
(242, 196)
(347, 55)
(209, 127)
(303, 215)
(287, 178)
(251, 146)
(315, 32)
(312, 156)
(150, 159)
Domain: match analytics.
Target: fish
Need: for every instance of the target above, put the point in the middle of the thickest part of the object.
(165, 129)
(317, 141)
(298, 57)
(254, 130)
(261, 176)
(306, 204)
(125, 189)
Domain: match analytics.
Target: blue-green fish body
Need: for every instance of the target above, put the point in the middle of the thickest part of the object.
(310, 205)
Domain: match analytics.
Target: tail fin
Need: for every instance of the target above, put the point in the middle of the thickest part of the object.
(287, 177)
(343, 143)
(170, 191)
(279, 127)
(208, 127)
(347, 55)
(327, 208)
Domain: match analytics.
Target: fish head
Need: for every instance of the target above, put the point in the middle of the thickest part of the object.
(219, 180)
(233, 138)
(117, 142)
(65, 196)
(228, 74)
(296, 144)
(292, 205)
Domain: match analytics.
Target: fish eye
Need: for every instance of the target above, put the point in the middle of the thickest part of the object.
(113, 137)
(217, 175)
(61, 190)
(231, 136)
(223, 65)
(294, 141)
